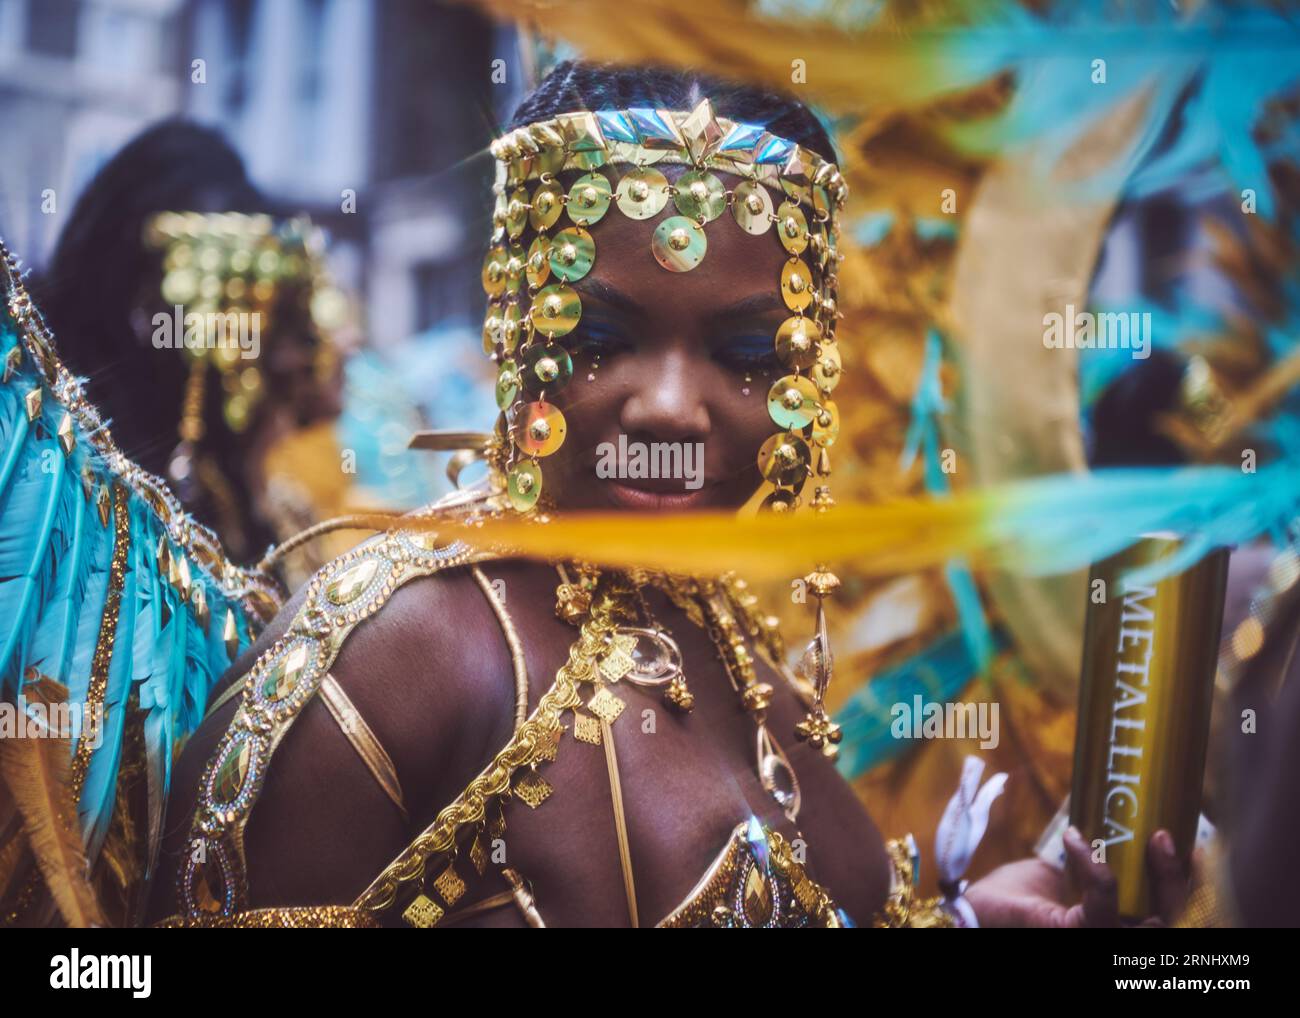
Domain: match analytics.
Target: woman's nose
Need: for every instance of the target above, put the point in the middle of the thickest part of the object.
(669, 400)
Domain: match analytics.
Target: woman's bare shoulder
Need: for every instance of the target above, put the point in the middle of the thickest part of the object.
(430, 678)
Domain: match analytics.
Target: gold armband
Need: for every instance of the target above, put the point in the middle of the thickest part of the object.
(904, 908)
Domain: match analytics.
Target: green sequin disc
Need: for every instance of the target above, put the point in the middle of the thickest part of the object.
(572, 253)
(589, 199)
(700, 195)
(679, 244)
(642, 193)
(547, 366)
(524, 485)
(507, 384)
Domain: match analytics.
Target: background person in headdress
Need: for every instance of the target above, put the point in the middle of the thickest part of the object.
(206, 423)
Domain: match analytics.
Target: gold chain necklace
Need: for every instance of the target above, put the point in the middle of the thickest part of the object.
(648, 656)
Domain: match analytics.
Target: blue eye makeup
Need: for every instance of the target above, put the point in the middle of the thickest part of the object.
(751, 351)
(592, 336)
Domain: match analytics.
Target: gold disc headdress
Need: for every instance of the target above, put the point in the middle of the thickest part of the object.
(227, 263)
(226, 272)
(533, 305)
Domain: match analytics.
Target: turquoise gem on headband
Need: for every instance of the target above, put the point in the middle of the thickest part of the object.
(652, 130)
(740, 141)
(774, 150)
(615, 125)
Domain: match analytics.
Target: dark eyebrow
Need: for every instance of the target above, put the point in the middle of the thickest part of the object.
(606, 294)
(755, 303)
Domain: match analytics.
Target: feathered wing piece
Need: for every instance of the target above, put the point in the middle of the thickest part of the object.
(36, 770)
(107, 590)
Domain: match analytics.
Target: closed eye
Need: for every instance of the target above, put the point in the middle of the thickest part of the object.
(597, 338)
(748, 351)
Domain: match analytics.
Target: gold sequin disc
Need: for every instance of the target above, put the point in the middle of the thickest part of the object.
(642, 193)
(547, 206)
(538, 269)
(784, 459)
(796, 342)
(539, 429)
(792, 227)
(752, 208)
(796, 284)
(556, 310)
(826, 424)
(792, 401)
(826, 370)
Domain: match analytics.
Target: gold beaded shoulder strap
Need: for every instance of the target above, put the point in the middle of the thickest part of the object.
(535, 742)
(212, 880)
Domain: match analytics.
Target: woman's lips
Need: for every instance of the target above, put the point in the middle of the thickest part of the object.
(628, 497)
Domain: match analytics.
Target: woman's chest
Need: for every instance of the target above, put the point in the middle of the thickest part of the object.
(648, 802)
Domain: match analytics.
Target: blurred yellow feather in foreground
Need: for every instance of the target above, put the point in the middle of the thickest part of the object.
(885, 538)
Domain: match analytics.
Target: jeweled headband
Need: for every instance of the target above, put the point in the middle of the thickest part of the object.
(221, 267)
(226, 263)
(529, 311)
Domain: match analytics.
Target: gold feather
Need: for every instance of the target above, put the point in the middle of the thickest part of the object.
(37, 772)
(881, 539)
(896, 63)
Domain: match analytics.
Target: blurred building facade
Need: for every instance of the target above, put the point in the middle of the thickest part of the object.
(364, 114)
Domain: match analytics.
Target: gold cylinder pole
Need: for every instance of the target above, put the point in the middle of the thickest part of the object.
(1144, 709)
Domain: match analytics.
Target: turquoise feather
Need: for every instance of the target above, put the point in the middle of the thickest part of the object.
(55, 562)
(35, 505)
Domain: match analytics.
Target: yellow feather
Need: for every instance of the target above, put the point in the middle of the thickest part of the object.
(892, 64)
(879, 539)
(37, 772)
